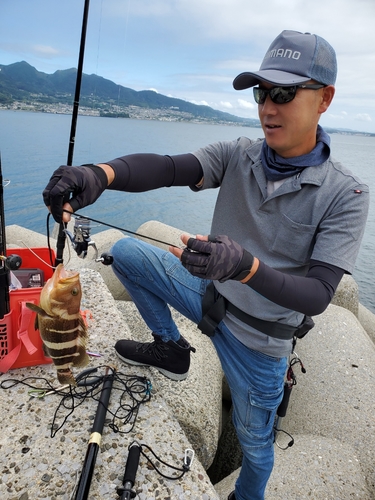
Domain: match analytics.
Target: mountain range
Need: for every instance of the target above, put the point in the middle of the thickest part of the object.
(21, 82)
(24, 87)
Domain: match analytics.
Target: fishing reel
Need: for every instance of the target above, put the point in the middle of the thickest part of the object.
(11, 262)
(81, 241)
(80, 238)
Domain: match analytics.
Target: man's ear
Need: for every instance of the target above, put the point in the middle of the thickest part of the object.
(326, 98)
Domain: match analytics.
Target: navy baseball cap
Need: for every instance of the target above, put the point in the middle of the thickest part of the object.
(293, 58)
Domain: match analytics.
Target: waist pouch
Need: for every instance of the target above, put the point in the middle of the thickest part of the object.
(215, 307)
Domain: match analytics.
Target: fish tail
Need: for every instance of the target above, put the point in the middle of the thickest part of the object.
(65, 376)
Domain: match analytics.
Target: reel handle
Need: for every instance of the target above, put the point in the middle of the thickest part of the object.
(106, 259)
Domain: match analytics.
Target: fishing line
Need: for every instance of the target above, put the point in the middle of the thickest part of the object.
(125, 32)
(36, 255)
(133, 391)
(75, 214)
(120, 228)
(188, 460)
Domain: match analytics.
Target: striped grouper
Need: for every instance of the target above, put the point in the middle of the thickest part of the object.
(60, 323)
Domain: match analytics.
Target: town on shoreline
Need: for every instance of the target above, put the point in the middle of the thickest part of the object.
(140, 113)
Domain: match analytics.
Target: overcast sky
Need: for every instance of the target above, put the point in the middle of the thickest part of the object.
(192, 49)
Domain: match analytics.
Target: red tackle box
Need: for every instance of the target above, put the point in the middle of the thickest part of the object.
(20, 343)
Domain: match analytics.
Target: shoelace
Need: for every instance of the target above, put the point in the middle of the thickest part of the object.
(154, 348)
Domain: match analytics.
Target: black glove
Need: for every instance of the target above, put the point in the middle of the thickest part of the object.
(85, 183)
(219, 258)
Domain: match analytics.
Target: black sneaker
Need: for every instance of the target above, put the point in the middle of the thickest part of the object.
(231, 496)
(171, 358)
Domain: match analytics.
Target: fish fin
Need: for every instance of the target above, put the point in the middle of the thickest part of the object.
(65, 376)
(83, 334)
(83, 326)
(45, 348)
(82, 359)
(35, 308)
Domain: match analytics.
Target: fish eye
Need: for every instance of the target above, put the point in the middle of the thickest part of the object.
(74, 291)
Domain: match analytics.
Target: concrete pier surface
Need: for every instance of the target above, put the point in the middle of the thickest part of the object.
(331, 413)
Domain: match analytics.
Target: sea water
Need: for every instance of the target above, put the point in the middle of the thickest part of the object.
(33, 145)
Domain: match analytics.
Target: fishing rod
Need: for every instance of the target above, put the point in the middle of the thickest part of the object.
(84, 483)
(62, 235)
(125, 491)
(4, 269)
(88, 241)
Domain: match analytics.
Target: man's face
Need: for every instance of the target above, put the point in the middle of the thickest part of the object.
(290, 129)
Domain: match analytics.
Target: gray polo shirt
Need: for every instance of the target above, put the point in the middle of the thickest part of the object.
(318, 214)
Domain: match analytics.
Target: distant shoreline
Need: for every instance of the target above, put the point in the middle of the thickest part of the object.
(138, 113)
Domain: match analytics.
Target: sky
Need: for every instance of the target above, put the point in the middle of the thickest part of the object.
(193, 49)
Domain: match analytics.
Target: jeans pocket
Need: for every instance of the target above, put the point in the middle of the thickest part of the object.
(176, 271)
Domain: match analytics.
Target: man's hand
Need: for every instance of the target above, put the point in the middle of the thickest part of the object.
(214, 257)
(85, 184)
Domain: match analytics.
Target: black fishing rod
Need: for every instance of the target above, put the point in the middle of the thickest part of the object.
(84, 483)
(126, 492)
(62, 235)
(4, 270)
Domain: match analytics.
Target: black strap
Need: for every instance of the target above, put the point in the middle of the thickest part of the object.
(271, 328)
(215, 306)
(213, 310)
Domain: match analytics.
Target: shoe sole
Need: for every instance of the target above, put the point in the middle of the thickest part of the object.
(173, 376)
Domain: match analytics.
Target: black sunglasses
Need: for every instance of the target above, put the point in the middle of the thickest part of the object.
(282, 95)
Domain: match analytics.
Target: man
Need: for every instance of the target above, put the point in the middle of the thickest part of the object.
(287, 225)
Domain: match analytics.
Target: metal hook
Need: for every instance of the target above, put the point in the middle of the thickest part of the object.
(189, 457)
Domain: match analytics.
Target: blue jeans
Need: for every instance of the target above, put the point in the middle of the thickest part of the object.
(155, 278)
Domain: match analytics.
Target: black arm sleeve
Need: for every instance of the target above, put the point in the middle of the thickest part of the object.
(309, 295)
(146, 171)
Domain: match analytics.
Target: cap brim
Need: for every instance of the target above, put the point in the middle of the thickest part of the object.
(247, 80)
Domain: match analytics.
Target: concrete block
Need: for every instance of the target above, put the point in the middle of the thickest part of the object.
(196, 401)
(367, 320)
(315, 467)
(34, 465)
(335, 398)
(346, 294)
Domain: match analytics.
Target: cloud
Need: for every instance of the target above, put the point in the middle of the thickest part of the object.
(226, 104)
(44, 51)
(363, 117)
(340, 116)
(245, 104)
(193, 49)
(200, 103)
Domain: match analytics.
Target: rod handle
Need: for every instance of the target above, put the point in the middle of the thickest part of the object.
(132, 464)
(281, 411)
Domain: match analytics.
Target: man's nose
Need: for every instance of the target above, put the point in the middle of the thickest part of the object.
(268, 106)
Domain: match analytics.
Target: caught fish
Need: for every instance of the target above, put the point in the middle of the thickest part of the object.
(60, 323)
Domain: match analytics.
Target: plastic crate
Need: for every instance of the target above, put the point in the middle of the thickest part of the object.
(20, 344)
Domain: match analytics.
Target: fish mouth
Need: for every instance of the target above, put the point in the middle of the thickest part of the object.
(62, 274)
(60, 277)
